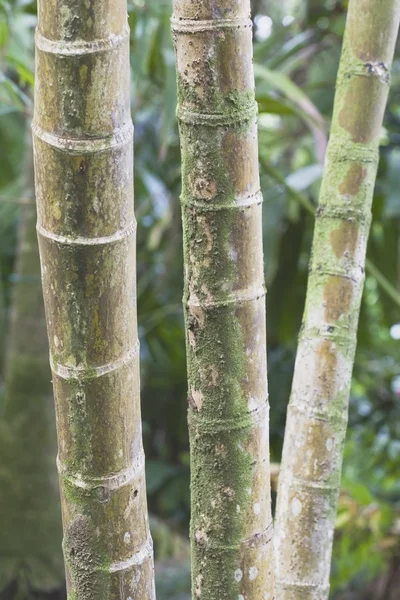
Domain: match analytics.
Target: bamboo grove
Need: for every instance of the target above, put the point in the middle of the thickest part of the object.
(83, 159)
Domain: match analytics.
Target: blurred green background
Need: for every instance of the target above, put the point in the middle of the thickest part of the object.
(296, 53)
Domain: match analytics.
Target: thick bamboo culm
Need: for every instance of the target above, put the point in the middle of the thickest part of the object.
(224, 301)
(83, 138)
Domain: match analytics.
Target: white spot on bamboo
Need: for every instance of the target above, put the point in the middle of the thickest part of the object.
(329, 444)
(201, 537)
(296, 507)
(207, 293)
(238, 575)
(199, 580)
(233, 255)
(252, 403)
(127, 537)
(198, 398)
(257, 508)
(253, 572)
(192, 339)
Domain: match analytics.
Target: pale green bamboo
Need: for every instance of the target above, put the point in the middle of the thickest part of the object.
(83, 138)
(317, 416)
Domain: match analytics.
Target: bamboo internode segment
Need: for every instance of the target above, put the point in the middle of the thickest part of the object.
(309, 482)
(83, 140)
(224, 300)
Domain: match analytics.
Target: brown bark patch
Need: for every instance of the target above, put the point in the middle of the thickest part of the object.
(338, 295)
(233, 72)
(365, 43)
(198, 314)
(327, 363)
(344, 239)
(362, 109)
(232, 152)
(204, 189)
(241, 160)
(352, 182)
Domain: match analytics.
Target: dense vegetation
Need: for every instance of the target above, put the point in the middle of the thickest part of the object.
(296, 56)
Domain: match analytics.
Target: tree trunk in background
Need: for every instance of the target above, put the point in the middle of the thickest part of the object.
(3, 324)
(224, 300)
(84, 184)
(30, 515)
(317, 415)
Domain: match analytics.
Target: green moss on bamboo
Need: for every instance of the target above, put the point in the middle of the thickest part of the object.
(220, 205)
(88, 567)
(221, 468)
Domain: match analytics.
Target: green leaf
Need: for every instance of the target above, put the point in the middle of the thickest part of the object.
(308, 111)
(359, 492)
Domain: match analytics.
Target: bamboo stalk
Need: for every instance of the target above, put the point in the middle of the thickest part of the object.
(317, 416)
(86, 227)
(224, 302)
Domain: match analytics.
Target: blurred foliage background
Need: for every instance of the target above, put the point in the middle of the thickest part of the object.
(296, 51)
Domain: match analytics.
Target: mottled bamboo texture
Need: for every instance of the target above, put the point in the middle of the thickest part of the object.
(224, 302)
(84, 184)
(317, 415)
